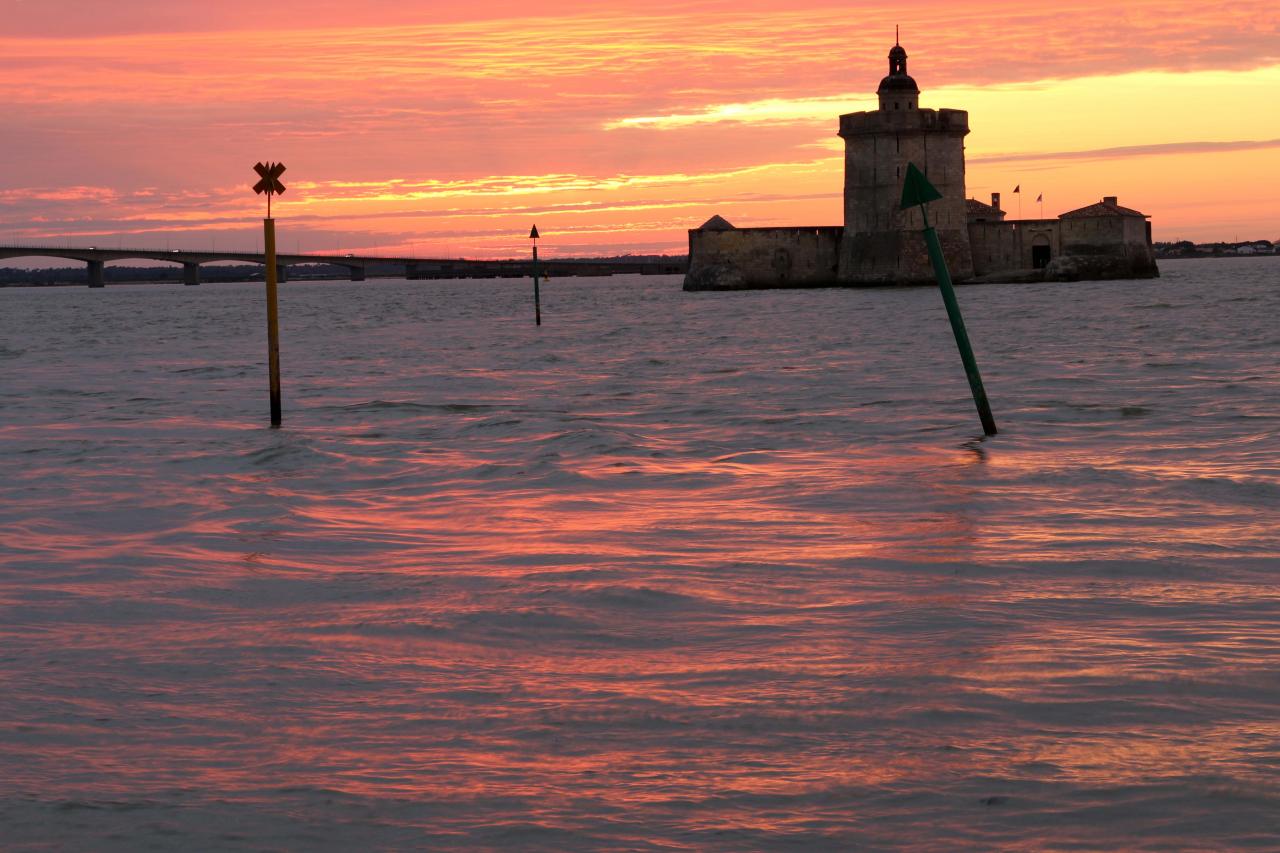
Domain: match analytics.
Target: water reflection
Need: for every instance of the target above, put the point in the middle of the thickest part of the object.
(630, 581)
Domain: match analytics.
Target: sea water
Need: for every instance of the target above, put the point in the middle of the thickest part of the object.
(672, 571)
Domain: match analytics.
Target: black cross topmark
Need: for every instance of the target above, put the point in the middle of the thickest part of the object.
(270, 183)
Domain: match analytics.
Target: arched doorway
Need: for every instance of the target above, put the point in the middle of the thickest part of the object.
(1040, 252)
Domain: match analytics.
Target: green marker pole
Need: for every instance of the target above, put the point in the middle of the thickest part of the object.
(918, 190)
(957, 326)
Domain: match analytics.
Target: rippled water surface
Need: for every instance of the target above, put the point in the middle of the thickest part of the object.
(674, 571)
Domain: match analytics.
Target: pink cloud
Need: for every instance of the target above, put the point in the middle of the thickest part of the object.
(178, 98)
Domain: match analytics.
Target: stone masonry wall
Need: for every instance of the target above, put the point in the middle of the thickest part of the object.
(1001, 247)
(747, 258)
(882, 243)
(1105, 247)
(1093, 248)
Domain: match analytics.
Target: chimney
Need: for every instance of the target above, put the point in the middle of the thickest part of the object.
(995, 200)
(1110, 199)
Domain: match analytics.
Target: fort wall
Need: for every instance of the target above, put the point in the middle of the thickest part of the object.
(1065, 249)
(1003, 246)
(881, 244)
(1105, 247)
(745, 258)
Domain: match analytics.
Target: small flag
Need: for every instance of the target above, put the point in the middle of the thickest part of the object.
(1018, 188)
(1040, 197)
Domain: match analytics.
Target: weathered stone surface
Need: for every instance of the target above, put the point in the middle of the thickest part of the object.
(1001, 246)
(1097, 267)
(715, 277)
(883, 244)
(1023, 276)
(762, 257)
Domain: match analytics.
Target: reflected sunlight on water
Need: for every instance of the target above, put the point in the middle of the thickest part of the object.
(675, 571)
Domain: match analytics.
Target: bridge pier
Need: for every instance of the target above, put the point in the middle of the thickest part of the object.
(281, 273)
(357, 273)
(190, 274)
(97, 277)
(411, 272)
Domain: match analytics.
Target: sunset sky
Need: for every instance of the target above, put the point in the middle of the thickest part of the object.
(446, 129)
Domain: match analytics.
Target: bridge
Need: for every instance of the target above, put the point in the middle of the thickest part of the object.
(359, 266)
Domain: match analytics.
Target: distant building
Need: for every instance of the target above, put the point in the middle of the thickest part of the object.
(980, 212)
(881, 244)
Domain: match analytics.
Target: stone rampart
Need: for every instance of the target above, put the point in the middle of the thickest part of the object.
(1088, 248)
(1105, 247)
(751, 258)
(1001, 247)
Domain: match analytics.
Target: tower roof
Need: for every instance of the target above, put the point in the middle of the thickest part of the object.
(716, 223)
(1107, 207)
(981, 208)
(898, 80)
(898, 83)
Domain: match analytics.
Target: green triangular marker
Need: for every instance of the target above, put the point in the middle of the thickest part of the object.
(916, 189)
(533, 235)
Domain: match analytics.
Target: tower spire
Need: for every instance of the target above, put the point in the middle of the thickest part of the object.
(897, 39)
(898, 91)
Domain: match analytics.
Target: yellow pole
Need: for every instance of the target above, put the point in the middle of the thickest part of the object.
(273, 318)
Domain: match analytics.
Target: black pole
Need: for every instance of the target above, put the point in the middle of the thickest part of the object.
(273, 317)
(537, 294)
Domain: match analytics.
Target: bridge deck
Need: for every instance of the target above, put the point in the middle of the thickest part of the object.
(360, 266)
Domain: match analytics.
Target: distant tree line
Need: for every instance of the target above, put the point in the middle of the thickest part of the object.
(1188, 249)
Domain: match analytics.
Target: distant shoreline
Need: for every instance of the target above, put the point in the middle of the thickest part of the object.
(165, 275)
(76, 276)
(1212, 257)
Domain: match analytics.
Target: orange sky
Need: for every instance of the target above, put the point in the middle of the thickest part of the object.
(448, 128)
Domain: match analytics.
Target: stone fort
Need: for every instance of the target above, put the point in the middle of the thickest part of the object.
(880, 244)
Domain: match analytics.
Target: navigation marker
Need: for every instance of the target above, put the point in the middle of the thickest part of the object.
(537, 295)
(916, 190)
(269, 183)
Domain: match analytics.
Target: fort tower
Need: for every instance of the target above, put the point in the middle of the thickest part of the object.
(882, 244)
